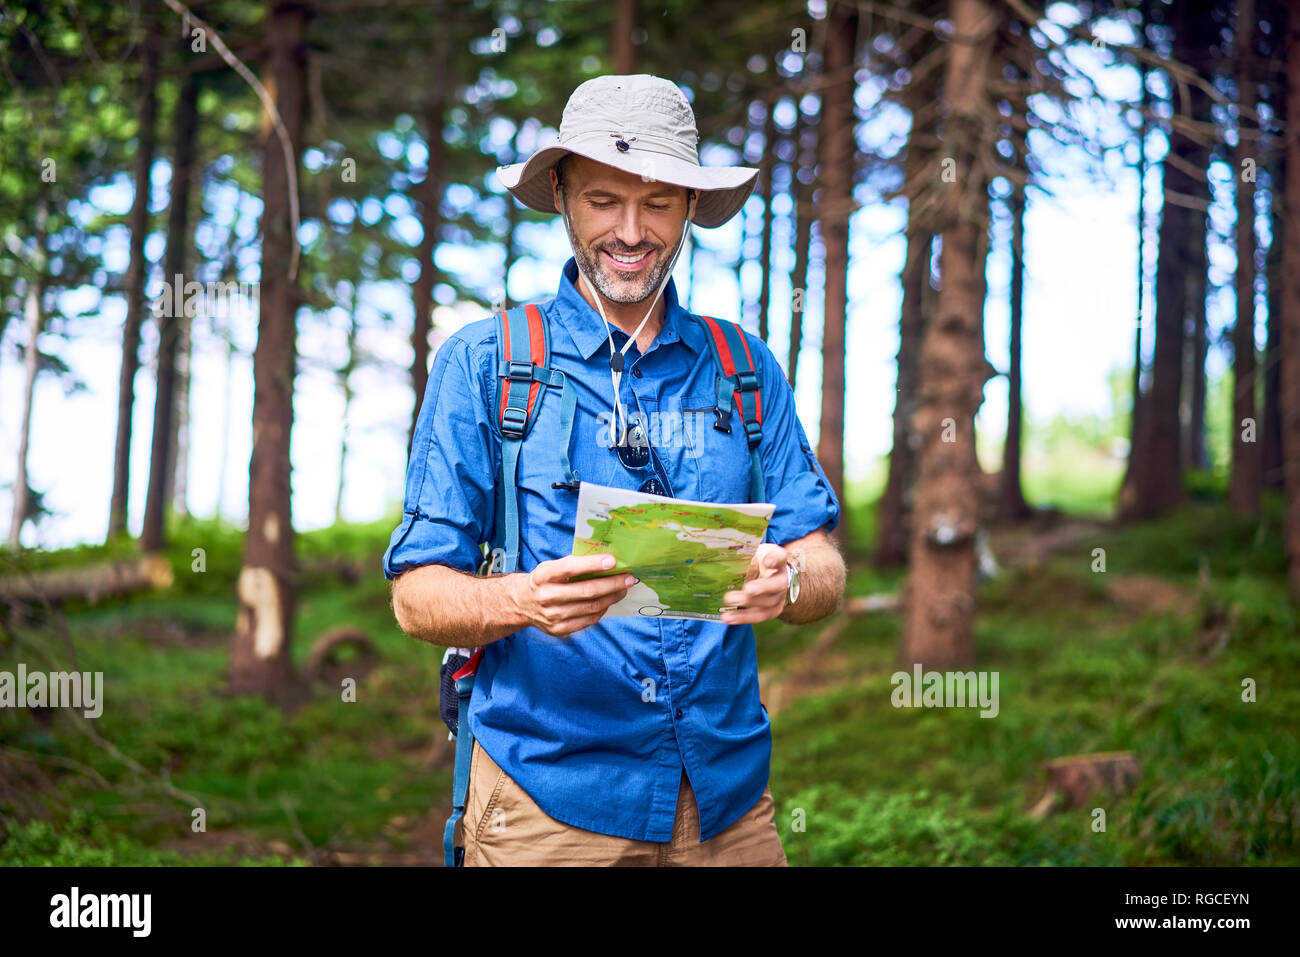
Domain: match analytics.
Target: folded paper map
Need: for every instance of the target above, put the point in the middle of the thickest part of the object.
(686, 555)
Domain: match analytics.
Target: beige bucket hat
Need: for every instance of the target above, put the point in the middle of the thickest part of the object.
(642, 124)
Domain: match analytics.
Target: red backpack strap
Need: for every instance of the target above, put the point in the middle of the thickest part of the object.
(523, 350)
(523, 370)
(738, 378)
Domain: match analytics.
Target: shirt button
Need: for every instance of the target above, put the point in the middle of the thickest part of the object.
(679, 712)
(636, 372)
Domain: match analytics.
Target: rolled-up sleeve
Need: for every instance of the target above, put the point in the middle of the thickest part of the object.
(448, 506)
(795, 482)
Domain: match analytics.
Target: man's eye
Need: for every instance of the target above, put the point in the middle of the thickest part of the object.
(657, 207)
(600, 205)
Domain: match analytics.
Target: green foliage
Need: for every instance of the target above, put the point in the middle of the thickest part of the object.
(85, 842)
(876, 829)
(324, 773)
(1080, 671)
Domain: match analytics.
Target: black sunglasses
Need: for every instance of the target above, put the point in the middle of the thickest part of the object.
(637, 455)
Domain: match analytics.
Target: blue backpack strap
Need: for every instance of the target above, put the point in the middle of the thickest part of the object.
(737, 377)
(523, 371)
(453, 854)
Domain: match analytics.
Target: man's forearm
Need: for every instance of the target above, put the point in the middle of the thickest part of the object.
(821, 584)
(448, 607)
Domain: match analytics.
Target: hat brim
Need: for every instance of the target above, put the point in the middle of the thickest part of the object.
(723, 189)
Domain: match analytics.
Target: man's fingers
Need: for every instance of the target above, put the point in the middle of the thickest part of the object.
(755, 591)
(770, 558)
(609, 587)
(562, 569)
(560, 594)
(750, 616)
(582, 616)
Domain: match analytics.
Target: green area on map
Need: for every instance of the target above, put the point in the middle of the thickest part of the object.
(655, 542)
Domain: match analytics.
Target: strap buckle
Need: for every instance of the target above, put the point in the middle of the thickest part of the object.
(747, 381)
(519, 370)
(721, 420)
(753, 433)
(513, 421)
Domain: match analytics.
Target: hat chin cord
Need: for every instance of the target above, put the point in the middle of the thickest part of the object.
(616, 355)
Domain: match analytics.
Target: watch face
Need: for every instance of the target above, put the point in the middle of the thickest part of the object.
(794, 583)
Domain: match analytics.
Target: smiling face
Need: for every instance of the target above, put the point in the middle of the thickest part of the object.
(623, 230)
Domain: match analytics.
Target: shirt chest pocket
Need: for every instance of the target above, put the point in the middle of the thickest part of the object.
(719, 461)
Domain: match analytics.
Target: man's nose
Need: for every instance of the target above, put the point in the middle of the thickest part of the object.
(630, 230)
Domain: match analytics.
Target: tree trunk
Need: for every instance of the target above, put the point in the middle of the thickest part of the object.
(89, 583)
(178, 478)
(835, 205)
(225, 332)
(260, 660)
(1158, 486)
(34, 309)
(1243, 485)
(738, 267)
(1290, 351)
(1128, 487)
(1193, 445)
(513, 210)
(1271, 452)
(623, 53)
(892, 518)
(430, 219)
(893, 523)
(939, 599)
(223, 458)
(1011, 499)
(185, 129)
(768, 167)
(801, 200)
(135, 280)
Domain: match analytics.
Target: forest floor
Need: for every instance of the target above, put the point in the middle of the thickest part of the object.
(1147, 656)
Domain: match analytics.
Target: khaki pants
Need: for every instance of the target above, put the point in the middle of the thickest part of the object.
(503, 826)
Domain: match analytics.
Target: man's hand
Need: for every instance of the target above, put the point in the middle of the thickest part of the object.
(766, 587)
(547, 599)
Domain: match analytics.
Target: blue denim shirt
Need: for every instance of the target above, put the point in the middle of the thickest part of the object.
(598, 726)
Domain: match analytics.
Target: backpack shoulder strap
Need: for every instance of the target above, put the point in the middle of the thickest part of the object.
(523, 370)
(523, 349)
(737, 378)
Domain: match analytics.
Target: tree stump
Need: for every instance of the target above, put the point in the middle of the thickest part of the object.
(1078, 777)
(324, 663)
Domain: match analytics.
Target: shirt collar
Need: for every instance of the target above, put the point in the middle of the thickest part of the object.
(587, 329)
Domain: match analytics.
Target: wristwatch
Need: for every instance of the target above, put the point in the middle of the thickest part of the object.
(792, 569)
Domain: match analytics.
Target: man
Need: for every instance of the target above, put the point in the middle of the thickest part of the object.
(617, 740)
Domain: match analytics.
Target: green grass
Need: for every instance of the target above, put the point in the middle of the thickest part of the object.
(330, 772)
(856, 780)
(1078, 673)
